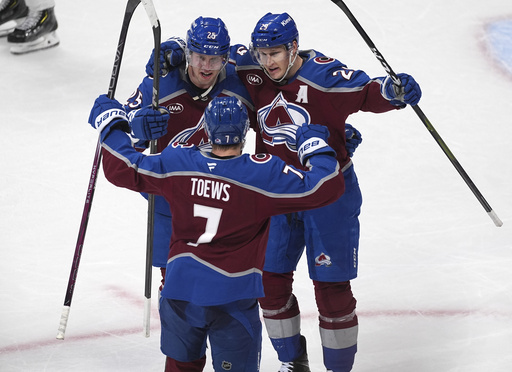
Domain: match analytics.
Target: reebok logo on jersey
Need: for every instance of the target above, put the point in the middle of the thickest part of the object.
(323, 260)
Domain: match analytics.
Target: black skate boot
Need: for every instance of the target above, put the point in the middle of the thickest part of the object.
(301, 364)
(12, 13)
(35, 33)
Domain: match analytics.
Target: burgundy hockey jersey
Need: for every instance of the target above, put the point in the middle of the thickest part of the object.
(324, 91)
(221, 210)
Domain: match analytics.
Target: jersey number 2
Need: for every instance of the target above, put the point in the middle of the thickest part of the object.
(212, 216)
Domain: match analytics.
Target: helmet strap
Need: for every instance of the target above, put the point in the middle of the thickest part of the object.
(203, 95)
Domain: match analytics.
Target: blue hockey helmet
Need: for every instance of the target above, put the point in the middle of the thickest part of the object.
(273, 30)
(226, 121)
(208, 36)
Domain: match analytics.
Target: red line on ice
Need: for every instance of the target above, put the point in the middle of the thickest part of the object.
(91, 336)
(432, 313)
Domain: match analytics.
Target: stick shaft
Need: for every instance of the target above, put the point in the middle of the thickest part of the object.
(155, 23)
(130, 8)
(421, 115)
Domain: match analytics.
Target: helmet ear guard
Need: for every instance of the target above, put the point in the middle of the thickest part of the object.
(226, 121)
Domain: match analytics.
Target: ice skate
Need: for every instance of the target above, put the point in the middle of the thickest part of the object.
(35, 33)
(12, 13)
(301, 364)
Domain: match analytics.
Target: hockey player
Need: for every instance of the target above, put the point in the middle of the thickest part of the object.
(288, 88)
(185, 93)
(221, 202)
(38, 29)
(170, 56)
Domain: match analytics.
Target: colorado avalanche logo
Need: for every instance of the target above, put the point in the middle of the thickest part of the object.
(323, 260)
(193, 135)
(323, 60)
(279, 121)
(260, 158)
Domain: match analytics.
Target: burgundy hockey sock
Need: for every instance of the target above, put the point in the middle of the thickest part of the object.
(338, 324)
(172, 365)
(282, 315)
(277, 303)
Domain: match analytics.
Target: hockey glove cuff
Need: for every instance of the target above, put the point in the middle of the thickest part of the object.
(148, 124)
(353, 139)
(312, 140)
(409, 92)
(107, 114)
(172, 54)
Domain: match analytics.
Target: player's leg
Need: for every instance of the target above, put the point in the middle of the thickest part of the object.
(40, 4)
(12, 13)
(37, 30)
(338, 324)
(280, 309)
(173, 365)
(332, 239)
(183, 335)
(235, 336)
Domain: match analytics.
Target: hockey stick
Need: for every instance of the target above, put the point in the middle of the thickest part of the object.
(421, 115)
(130, 9)
(155, 23)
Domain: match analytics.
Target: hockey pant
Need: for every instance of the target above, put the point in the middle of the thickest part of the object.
(233, 329)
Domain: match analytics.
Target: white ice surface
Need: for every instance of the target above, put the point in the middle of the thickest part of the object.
(434, 289)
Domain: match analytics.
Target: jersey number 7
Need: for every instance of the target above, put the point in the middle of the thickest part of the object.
(212, 216)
